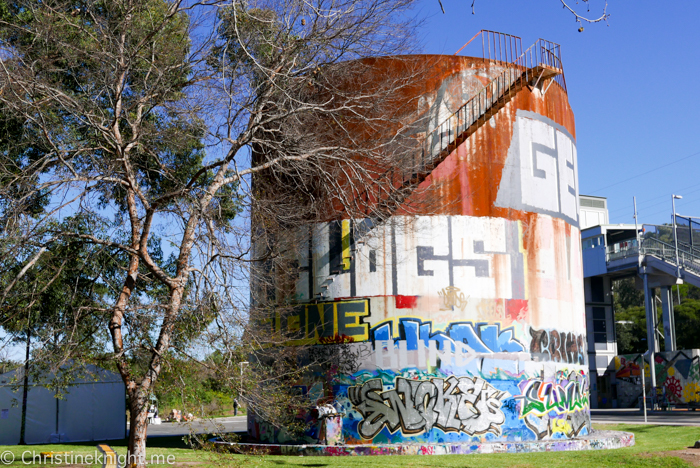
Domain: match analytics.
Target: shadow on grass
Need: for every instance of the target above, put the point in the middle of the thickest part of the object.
(153, 442)
(644, 429)
(286, 463)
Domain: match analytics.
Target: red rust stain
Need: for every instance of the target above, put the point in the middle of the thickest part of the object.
(499, 270)
(559, 259)
(533, 278)
(467, 182)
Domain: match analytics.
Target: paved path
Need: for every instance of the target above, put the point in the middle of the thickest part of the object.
(609, 416)
(634, 416)
(206, 426)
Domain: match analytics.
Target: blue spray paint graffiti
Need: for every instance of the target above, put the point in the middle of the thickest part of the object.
(479, 337)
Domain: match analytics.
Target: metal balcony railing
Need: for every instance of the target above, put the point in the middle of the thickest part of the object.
(613, 255)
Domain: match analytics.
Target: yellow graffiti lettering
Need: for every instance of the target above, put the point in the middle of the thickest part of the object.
(561, 425)
(345, 242)
(317, 323)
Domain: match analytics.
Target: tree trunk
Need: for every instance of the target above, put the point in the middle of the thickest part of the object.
(25, 390)
(138, 408)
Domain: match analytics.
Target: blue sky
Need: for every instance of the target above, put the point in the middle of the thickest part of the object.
(633, 87)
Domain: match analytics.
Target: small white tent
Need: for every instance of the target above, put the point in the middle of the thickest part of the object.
(92, 409)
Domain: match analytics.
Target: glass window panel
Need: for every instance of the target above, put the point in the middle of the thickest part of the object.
(599, 313)
(599, 326)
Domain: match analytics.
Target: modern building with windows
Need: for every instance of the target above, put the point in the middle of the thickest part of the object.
(657, 261)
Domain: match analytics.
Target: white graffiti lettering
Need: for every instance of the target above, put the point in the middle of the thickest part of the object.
(466, 404)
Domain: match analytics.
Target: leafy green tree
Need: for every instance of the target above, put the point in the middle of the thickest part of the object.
(687, 316)
(685, 291)
(626, 294)
(630, 320)
(62, 296)
(630, 329)
(630, 317)
(161, 121)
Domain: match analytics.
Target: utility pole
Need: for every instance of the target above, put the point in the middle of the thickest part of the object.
(644, 389)
(651, 330)
(675, 233)
(650, 309)
(636, 233)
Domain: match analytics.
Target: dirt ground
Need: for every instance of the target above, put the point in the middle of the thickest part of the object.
(690, 455)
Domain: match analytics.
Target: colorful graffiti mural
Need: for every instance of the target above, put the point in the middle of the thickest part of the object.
(559, 346)
(413, 405)
(542, 397)
(464, 309)
(476, 338)
(601, 440)
(555, 407)
(466, 404)
(677, 378)
(318, 323)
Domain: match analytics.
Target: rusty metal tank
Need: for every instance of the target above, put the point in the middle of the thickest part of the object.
(466, 311)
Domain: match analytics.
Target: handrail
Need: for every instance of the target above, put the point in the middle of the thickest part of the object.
(687, 258)
(500, 47)
(690, 248)
(519, 69)
(497, 46)
(543, 53)
(523, 68)
(468, 114)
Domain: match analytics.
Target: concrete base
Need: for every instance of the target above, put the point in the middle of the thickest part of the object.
(598, 440)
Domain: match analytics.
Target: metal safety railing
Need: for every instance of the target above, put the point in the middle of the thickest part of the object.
(468, 115)
(497, 46)
(688, 229)
(619, 254)
(694, 249)
(540, 61)
(688, 258)
(540, 55)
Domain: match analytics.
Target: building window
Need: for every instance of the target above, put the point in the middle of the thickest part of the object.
(592, 242)
(597, 289)
(600, 334)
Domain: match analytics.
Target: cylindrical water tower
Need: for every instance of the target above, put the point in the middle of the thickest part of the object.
(466, 314)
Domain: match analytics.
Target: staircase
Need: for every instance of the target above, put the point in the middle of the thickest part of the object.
(538, 66)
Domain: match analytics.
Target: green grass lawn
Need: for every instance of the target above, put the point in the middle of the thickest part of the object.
(157, 447)
(651, 450)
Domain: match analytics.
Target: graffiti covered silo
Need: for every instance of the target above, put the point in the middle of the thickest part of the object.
(466, 311)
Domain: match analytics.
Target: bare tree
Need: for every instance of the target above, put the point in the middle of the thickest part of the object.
(571, 8)
(170, 124)
(581, 18)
